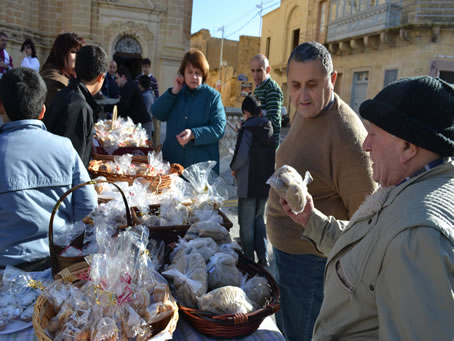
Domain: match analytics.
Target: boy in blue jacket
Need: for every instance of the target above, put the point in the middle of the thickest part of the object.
(252, 165)
(37, 168)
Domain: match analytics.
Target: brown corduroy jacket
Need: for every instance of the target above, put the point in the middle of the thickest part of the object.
(329, 146)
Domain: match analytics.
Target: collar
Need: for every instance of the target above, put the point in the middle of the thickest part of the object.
(14, 125)
(268, 77)
(427, 167)
(192, 91)
(330, 103)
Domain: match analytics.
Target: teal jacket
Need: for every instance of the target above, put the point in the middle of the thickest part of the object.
(200, 110)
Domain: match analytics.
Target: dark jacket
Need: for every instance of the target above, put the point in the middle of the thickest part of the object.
(71, 114)
(131, 103)
(254, 156)
(109, 87)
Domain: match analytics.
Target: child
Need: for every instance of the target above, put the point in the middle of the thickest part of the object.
(37, 168)
(252, 165)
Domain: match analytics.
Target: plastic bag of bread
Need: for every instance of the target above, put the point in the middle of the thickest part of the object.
(208, 229)
(189, 277)
(222, 271)
(289, 184)
(207, 247)
(257, 290)
(226, 300)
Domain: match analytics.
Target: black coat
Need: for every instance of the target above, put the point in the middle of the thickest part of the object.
(72, 114)
(131, 103)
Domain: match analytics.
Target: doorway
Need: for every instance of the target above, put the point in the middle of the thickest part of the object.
(128, 53)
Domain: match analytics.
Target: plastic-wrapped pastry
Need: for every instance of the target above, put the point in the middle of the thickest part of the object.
(11, 312)
(3, 323)
(208, 229)
(205, 246)
(289, 184)
(222, 271)
(27, 314)
(105, 330)
(189, 278)
(226, 300)
(7, 300)
(257, 290)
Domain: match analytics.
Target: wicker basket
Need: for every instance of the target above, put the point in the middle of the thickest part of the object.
(139, 154)
(44, 310)
(157, 183)
(58, 262)
(171, 233)
(235, 325)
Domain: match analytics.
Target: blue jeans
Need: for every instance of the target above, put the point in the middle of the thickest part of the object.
(252, 226)
(300, 280)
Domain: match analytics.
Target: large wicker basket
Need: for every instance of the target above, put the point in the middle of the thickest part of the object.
(235, 325)
(171, 233)
(58, 262)
(44, 311)
(157, 183)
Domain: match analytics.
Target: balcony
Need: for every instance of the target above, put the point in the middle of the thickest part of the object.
(433, 12)
(370, 20)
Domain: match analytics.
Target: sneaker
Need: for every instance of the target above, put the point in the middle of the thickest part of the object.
(264, 262)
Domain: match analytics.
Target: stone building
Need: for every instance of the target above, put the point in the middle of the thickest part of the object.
(127, 29)
(373, 42)
(234, 76)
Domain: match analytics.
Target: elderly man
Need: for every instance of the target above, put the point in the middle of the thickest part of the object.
(390, 269)
(268, 92)
(325, 139)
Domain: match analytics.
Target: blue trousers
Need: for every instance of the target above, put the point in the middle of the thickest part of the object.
(252, 226)
(300, 280)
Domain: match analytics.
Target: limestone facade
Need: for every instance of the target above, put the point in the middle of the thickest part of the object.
(373, 42)
(235, 67)
(131, 29)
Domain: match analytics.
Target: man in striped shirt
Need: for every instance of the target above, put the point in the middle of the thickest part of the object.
(268, 92)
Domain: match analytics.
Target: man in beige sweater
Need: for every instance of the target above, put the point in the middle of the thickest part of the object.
(325, 139)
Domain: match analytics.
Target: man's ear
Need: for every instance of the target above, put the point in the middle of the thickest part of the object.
(333, 77)
(268, 69)
(41, 114)
(408, 152)
(100, 77)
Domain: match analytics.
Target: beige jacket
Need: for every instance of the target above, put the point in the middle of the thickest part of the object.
(330, 147)
(390, 270)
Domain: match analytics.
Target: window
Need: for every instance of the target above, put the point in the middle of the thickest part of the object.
(267, 47)
(390, 76)
(321, 17)
(296, 38)
(333, 11)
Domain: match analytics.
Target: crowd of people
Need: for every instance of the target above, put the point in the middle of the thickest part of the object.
(371, 256)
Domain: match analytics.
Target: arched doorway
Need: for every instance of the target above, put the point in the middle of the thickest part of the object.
(128, 52)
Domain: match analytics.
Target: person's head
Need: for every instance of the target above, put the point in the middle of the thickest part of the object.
(260, 68)
(310, 78)
(112, 68)
(22, 95)
(144, 82)
(91, 66)
(29, 48)
(146, 66)
(251, 107)
(63, 53)
(123, 76)
(411, 123)
(3, 40)
(194, 68)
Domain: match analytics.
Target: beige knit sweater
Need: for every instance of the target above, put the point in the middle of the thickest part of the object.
(329, 146)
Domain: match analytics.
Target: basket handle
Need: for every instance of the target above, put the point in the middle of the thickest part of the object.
(63, 197)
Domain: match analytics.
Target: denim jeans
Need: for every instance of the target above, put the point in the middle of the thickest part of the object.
(252, 226)
(300, 280)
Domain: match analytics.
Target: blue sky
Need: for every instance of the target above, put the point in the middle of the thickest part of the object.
(239, 17)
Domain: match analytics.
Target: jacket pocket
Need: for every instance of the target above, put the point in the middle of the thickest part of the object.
(343, 278)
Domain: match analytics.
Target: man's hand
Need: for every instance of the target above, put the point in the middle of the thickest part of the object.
(234, 174)
(185, 136)
(177, 85)
(303, 217)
